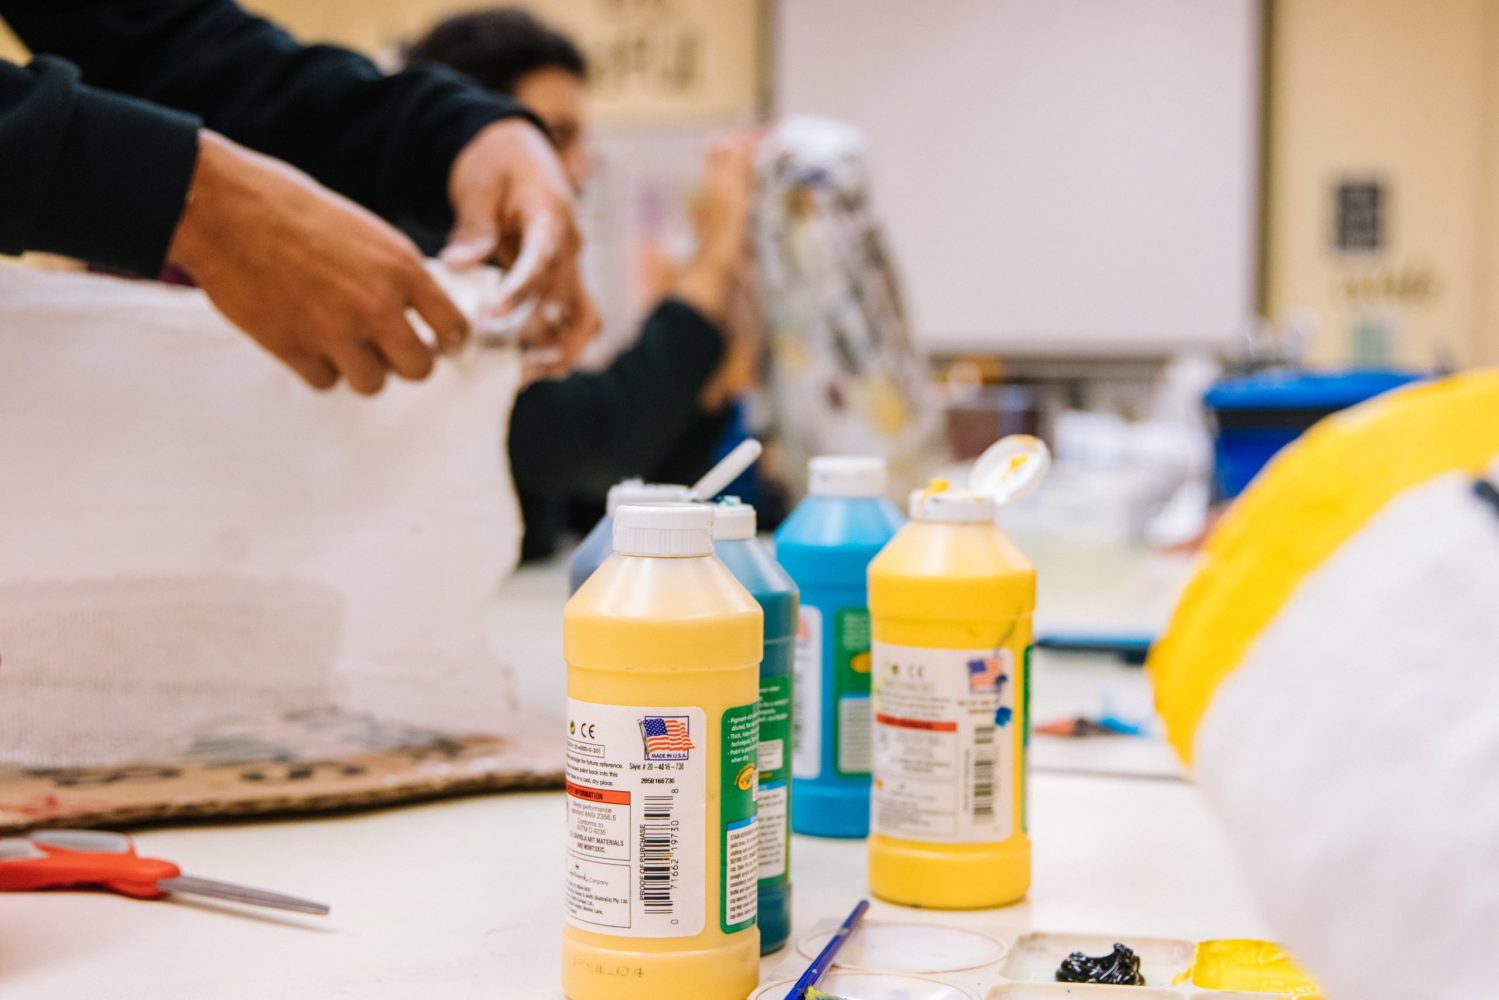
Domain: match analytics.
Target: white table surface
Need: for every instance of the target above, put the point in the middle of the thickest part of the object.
(462, 899)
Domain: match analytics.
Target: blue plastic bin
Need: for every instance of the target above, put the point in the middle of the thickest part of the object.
(1256, 416)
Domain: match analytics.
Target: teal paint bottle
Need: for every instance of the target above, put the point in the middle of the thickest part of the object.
(734, 543)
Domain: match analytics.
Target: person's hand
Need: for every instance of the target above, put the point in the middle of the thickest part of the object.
(743, 327)
(721, 216)
(723, 204)
(512, 204)
(318, 281)
(719, 281)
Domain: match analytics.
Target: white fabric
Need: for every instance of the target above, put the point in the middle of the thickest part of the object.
(188, 533)
(1354, 756)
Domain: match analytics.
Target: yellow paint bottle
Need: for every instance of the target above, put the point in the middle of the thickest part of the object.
(950, 601)
(663, 649)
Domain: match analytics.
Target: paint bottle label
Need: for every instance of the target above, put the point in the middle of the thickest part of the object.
(773, 801)
(636, 819)
(739, 856)
(851, 687)
(943, 744)
(806, 716)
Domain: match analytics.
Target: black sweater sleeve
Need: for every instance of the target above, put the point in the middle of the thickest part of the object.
(385, 141)
(86, 173)
(579, 435)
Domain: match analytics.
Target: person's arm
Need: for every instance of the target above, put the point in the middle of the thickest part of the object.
(321, 283)
(584, 433)
(315, 280)
(669, 394)
(89, 174)
(387, 142)
(716, 282)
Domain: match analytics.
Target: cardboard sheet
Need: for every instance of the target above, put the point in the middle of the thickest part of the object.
(302, 762)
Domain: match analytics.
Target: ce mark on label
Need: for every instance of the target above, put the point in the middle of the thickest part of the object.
(911, 671)
(582, 730)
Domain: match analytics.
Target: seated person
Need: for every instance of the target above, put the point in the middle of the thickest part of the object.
(660, 408)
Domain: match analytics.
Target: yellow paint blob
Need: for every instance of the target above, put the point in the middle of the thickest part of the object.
(1250, 966)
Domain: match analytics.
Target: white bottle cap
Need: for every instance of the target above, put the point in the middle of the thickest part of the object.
(846, 476)
(639, 492)
(679, 529)
(728, 469)
(733, 520)
(1010, 468)
(951, 506)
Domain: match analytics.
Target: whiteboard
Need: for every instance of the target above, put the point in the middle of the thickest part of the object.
(1057, 176)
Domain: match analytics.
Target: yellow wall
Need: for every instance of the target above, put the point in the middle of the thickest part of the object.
(1407, 92)
(9, 47)
(654, 60)
(1486, 330)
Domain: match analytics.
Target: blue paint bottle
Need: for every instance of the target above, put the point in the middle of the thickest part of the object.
(826, 545)
(735, 544)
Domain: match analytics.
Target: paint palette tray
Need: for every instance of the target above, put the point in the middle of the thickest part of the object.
(912, 960)
(1033, 958)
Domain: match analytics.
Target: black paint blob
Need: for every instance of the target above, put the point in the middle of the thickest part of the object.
(1120, 967)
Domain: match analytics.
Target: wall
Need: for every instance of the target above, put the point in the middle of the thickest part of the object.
(1407, 93)
(1485, 333)
(653, 59)
(1057, 176)
(10, 48)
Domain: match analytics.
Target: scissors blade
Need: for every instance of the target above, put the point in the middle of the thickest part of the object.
(86, 841)
(240, 894)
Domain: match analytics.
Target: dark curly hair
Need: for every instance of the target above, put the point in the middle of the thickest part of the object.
(497, 47)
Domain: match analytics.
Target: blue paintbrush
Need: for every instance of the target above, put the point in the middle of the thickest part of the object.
(803, 990)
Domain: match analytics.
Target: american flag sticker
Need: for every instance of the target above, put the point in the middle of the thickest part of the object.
(988, 675)
(666, 737)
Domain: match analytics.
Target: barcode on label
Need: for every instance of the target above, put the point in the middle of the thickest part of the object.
(984, 758)
(855, 734)
(658, 855)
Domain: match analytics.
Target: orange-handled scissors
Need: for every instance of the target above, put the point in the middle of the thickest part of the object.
(60, 859)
